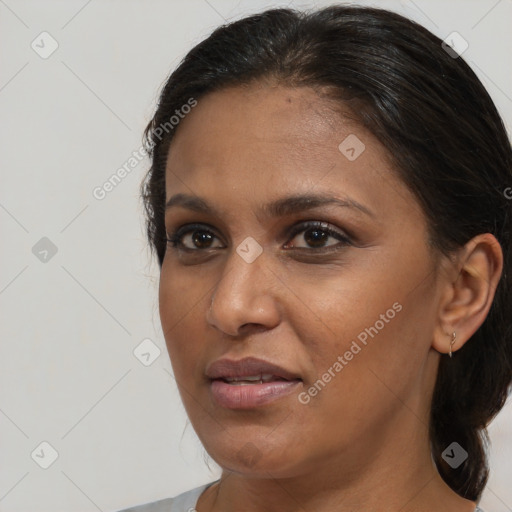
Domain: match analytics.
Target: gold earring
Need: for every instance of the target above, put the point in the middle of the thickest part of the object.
(451, 343)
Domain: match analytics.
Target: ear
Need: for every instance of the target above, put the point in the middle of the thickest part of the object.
(467, 292)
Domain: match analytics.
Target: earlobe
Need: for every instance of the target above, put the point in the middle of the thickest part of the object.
(468, 295)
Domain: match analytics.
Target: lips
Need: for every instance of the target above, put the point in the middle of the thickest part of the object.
(250, 369)
(250, 383)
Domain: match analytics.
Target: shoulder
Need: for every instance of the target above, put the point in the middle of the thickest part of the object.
(184, 502)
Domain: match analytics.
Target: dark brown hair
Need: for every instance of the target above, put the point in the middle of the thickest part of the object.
(447, 143)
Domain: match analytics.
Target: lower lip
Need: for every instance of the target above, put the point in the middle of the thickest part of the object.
(233, 396)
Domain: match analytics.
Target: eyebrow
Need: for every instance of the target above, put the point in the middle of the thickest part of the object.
(281, 207)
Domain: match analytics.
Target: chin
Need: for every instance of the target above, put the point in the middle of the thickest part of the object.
(252, 455)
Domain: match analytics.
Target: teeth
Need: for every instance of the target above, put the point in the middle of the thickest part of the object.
(265, 377)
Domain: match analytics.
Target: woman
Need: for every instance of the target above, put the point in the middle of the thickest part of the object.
(327, 201)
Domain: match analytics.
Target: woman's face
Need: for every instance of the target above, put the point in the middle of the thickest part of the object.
(348, 307)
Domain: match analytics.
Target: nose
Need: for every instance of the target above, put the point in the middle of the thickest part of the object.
(245, 297)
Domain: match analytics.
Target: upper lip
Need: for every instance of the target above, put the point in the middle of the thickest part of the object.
(246, 367)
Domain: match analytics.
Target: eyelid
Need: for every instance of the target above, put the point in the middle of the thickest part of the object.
(324, 226)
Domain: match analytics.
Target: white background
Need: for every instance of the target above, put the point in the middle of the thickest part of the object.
(69, 325)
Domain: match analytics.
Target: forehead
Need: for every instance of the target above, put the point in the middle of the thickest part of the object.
(259, 140)
(241, 119)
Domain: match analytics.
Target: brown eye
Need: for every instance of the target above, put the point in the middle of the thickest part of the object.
(193, 237)
(201, 239)
(316, 235)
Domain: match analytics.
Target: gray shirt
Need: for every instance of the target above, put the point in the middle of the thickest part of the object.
(185, 502)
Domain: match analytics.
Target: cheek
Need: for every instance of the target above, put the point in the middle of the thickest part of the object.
(357, 371)
(348, 330)
(179, 305)
(339, 309)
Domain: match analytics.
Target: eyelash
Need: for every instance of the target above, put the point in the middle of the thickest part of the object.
(174, 239)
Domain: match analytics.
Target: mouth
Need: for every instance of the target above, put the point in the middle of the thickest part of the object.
(253, 379)
(249, 382)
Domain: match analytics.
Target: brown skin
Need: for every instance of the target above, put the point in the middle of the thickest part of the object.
(362, 442)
